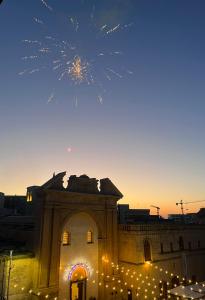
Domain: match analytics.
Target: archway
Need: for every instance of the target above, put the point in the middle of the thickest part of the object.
(79, 258)
(78, 278)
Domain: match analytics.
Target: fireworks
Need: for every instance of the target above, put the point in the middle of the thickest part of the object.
(71, 59)
(78, 70)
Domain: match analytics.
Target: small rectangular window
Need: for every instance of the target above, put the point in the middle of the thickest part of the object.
(171, 247)
(89, 237)
(66, 238)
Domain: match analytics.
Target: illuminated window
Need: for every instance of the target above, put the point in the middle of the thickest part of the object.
(147, 251)
(29, 197)
(89, 237)
(66, 238)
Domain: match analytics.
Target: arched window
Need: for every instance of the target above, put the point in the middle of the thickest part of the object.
(66, 238)
(181, 243)
(147, 251)
(89, 237)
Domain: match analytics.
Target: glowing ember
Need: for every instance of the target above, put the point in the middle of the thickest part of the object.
(78, 71)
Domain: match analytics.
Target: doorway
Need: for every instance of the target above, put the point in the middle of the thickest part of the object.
(78, 290)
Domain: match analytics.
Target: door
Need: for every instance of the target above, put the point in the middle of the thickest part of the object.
(78, 290)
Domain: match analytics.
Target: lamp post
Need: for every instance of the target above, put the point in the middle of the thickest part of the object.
(9, 273)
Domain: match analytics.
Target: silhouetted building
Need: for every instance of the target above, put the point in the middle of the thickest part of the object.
(78, 243)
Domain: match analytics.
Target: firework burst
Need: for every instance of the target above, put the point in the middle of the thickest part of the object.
(69, 59)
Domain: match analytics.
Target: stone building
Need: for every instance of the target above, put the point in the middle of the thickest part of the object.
(78, 243)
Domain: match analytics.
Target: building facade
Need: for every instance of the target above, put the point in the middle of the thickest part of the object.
(76, 243)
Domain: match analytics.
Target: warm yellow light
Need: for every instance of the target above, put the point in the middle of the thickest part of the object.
(66, 238)
(89, 237)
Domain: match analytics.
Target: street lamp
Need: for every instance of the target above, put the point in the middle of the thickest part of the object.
(9, 273)
(5, 292)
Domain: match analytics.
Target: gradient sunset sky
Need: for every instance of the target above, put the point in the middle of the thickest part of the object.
(147, 135)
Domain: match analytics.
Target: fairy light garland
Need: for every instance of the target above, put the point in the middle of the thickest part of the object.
(122, 286)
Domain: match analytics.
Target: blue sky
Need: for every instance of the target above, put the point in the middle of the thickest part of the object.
(148, 134)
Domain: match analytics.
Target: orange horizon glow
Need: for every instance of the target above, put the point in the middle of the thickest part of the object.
(141, 198)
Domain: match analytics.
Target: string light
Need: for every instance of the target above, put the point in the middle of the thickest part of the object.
(130, 275)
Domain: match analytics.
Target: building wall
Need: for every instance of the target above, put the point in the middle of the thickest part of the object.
(21, 277)
(58, 208)
(79, 252)
(164, 264)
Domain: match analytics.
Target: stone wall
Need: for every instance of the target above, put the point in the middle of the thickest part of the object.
(21, 277)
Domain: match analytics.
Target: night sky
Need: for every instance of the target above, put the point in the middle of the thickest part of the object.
(147, 134)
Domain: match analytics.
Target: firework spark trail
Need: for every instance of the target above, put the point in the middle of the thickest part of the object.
(62, 75)
(46, 5)
(38, 20)
(57, 67)
(113, 29)
(48, 37)
(44, 50)
(22, 72)
(103, 27)
(115, 73)
(31, 42)
(75, 23)
(34, 71)
(108, 77)
(100, 99)
(29, 57)
(116, 53)
(50, 98)
(128, 25)
(56, 61)
(92, 13)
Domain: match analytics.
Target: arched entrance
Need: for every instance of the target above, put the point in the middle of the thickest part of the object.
(78, 279)
(79, 258)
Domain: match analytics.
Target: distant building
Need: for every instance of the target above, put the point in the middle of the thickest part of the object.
(190, 218)
(78, 243)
